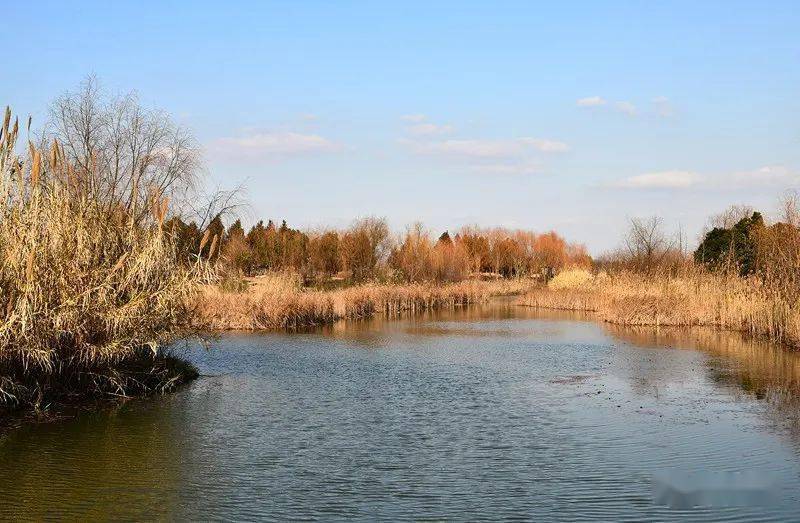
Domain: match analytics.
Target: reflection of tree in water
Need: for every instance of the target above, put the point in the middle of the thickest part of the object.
(474, 320)
(639, 362)
(762, 370)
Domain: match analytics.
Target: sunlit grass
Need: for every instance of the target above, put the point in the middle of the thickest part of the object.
(86, 292)
(277, 301)
(691, 297)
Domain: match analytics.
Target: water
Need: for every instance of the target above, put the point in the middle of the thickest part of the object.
(486, 413)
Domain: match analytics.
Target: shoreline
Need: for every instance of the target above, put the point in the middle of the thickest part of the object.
(161, 375)
(270, 307)
(696, 299)
(361, 302)
(275, 303)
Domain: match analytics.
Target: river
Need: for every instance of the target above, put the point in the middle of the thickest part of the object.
(488, 412)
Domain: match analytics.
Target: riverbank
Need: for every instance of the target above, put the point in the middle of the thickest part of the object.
(531, 375)
(30, 397)
(93, 291)
(276, 301)
(272, 302)
(692, 298)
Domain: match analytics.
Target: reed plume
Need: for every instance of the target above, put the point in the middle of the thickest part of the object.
(87, 293)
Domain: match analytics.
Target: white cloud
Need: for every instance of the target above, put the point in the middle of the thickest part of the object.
(527, 167)
(546, 146)
(768, 175)
(471, 148)
(414, 117)
(429, 129)
(267, 144)
(511, 148)
(513, 156)
(660, 180)
(626, 107)
(591, 101)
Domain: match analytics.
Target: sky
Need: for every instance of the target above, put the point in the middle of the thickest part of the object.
(573, 116)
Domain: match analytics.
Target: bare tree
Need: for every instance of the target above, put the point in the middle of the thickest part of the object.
(730, 216)
(364, 246)
(124, 153)
(647, 243)
(201, 208)
(790, 208)
(377, 230)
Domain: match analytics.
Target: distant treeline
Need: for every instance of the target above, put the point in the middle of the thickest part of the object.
(366, 250)
(738, 241)
(743, 276)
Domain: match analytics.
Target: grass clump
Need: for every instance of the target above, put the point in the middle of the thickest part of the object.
(574, 278)
(91, 290)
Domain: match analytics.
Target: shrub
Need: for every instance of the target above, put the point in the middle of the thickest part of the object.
(88, 287)
(575, 278)
(733, 247)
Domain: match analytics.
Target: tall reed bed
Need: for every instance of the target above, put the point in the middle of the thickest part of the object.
(88, 296)
(692, 297)
(279, 302)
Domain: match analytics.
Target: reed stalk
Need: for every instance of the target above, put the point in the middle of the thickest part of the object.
(278, 301)
(89, 297)
(692, 297)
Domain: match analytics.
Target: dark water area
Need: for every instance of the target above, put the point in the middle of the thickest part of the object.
(489, 412)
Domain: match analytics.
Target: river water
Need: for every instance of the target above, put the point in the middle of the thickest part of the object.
(489, 412)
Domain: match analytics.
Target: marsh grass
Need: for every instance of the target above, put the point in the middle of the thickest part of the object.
(691, 297)
(89, 296)
(278, 301)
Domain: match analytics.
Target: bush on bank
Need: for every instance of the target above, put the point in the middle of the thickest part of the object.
(91, 290)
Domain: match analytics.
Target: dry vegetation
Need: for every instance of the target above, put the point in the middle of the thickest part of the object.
(695, 297)
(99, 272)
(366, 251)
(91, 289)
(278, 301)
(752, 287)
(104, 245)
(272, 277)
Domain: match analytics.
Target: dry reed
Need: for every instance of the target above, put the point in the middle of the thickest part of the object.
(277, 301)
(693, 297)
(88, 297)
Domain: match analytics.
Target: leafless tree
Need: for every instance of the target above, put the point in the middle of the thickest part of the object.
(202, 207)
(647, 243)
(123, 153)
(730, 216)
(790, 208)
(365, 245)
(377, 230)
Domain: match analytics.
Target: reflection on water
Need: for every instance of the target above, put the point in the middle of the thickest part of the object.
(486, 412)
(762, 368)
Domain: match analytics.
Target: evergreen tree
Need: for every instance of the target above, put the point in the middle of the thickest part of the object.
(216, 230)
(734, 247)
(235, 231)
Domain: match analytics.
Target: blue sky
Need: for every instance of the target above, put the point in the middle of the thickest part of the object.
(567, 116)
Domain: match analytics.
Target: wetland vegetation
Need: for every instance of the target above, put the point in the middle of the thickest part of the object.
(112, 254)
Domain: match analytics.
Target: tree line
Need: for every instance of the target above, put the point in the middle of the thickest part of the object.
(367, 250)
(747, 244)
(740, 241)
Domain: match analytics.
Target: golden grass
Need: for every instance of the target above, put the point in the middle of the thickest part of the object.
(571, 279)
(695, 297)
(84, 291)
(277, 301)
